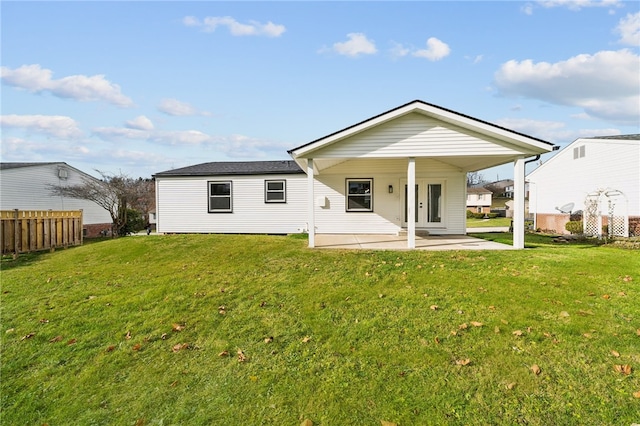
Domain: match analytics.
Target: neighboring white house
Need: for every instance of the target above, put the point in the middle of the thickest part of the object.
(24, 186)
(590, 175)
(356, 180)
(479, 199)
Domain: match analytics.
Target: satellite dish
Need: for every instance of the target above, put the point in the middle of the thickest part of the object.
(567, 208)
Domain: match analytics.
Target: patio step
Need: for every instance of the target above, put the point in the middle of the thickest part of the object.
(419, 233)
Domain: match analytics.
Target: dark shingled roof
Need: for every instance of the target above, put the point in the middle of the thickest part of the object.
(226, 168)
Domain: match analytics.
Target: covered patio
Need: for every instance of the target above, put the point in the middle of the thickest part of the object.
(394, 242)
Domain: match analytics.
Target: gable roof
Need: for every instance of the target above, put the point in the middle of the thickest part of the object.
(417, 105)
(227, 168)
(422, 130)
(478, 190)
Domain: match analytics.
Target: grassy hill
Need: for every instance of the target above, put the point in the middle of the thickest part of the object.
(260, 330)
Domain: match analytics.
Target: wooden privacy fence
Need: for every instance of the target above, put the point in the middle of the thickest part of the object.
(24, 231)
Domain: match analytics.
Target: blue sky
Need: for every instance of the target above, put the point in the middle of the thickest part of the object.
(142, 87)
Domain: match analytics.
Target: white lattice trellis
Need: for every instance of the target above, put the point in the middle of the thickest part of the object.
(609, 203)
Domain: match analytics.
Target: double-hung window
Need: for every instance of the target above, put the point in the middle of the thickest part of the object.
(359, 195)
(275, 191)
(220, 197)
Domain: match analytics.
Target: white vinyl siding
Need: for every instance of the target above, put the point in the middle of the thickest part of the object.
(26, 188)
(181, 206)
(608, 163)
(415, 135)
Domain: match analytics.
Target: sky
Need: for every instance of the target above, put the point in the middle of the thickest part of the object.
(142, 87)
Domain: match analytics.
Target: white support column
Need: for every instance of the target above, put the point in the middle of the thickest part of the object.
(411, 203)
(311, 218)
(518, 203)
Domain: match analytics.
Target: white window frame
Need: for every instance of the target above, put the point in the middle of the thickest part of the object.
(282, 191)
(348, 195)
(229, 196)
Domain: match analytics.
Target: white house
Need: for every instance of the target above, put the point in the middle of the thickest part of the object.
(479, 199)
(596, 176)
(353, 181)
(25, 186)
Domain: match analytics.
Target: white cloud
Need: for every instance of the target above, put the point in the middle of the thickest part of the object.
(629, 29)
(552, 131)
(181, 137)
(82, 88)
(579, 4)
(253, 28)
(52, 125)
(119, 133)
(398, 50)
(140, 123)
(178, 108)
(605, 85)
(358, 44)
(240, 146)
(436, 50)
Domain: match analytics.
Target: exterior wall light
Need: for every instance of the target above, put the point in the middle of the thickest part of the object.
(390, 189)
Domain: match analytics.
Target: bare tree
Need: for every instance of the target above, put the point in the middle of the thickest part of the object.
(143, 196)
(112, 193)
(474, 178)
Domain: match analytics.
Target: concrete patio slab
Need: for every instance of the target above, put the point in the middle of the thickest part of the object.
(392, 242)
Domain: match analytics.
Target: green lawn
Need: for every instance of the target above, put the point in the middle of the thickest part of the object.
(146, 330)
(487, 223)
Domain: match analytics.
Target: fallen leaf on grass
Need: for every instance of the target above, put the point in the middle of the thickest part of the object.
(180, 346)
(111, 348)
(615, 353)
(433, 307)
(638, 332)
(55, 339)
(306, 339)
(435, 339)
(386, 423)
(536, 369)
(28, 336)
(476, 324)
(606, 296)
(164, 336)
(627, 278)
(268, 339)
(463, 361)
(496, 329)
(241, 356)
(636, 394)
(71, 342)
(128, 335)
(306, 422)
(623, 369)
(44, 321)
(177, 327)
(510, 386)
(517, 333)
(224, 353)
(564, 314)
(136, 347)
(463, 326)
(222, 309)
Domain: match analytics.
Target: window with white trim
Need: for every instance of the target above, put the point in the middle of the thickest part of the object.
(359, 195)
(220, 197)
(275, 191)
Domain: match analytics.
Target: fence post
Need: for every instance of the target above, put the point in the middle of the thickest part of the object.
(16, 235)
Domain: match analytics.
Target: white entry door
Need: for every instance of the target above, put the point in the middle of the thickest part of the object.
(429, 208)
